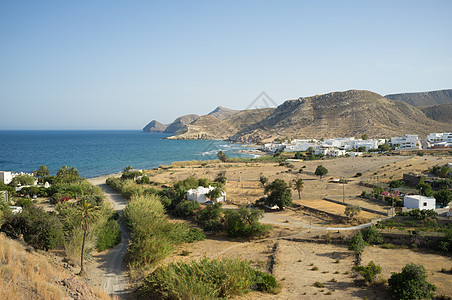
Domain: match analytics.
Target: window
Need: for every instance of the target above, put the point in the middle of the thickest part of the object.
(425, 203)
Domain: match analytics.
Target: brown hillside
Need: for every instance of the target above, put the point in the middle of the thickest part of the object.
(223, 113)
(440, 113)
(210, 127)
(341, 114)
(424, 98)
(180, 122)
(154, 126)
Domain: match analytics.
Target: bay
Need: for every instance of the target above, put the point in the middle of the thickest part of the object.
(96, 153)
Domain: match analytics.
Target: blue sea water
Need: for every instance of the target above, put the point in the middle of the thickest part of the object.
(97, 153)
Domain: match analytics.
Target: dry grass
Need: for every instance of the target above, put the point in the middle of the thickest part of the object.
(25, 275)
(30, 275)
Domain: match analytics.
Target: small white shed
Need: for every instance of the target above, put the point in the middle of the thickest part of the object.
(419, 201)
(199, 194)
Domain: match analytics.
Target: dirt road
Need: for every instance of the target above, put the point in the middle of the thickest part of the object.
(115, 280)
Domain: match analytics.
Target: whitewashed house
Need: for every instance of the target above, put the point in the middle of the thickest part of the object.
(6, 177)
(199, 194)
(439, 137)
(419, 201)
(408, 141)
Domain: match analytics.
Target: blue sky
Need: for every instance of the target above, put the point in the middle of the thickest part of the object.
(119, 64)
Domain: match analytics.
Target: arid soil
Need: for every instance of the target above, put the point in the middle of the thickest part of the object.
(295, 258)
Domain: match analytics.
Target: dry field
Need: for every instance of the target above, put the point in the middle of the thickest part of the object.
(294, 261)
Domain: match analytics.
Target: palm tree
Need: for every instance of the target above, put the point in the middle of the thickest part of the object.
(42, 172)
(298, 185)
(88, 215)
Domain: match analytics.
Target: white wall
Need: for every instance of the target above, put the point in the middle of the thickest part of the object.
(418, 201)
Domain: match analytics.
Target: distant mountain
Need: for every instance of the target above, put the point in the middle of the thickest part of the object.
(424, 98)
(340, 114)
(154, 126)
(440, 113)
(180, 122)
(223, 113)
(211, 127)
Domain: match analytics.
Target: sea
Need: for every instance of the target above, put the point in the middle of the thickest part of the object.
(99, 152)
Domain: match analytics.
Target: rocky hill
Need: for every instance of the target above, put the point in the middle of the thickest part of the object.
(211, 127)
(223, 113)
(424, 98)
(341, 114)
(440, 113)
(180, 122)
(154, 126)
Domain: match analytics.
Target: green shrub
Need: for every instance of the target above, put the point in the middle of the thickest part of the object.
(108, 236)
(206, 279)
(40, 229)
(245, 223)
(369, 272)
(372, 236)
(187, 208)
(193, 235)
(357, 243)
(411, 283)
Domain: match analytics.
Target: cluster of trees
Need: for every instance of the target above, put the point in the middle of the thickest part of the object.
(78, 226)
(243, 222)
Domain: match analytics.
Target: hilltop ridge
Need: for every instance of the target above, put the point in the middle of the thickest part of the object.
(344, 113)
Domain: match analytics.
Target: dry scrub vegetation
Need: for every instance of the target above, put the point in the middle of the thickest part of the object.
(26, 274)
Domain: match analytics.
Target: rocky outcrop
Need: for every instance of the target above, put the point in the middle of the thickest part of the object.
(440, 113)
(155, 126)
(180, 122)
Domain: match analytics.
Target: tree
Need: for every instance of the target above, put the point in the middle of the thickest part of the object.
(372, 236)
(357, 245)
(42, 172)
(411, 283)
(65, 174)
(369, 272)
(384, 147)
(245, 223)
(443, 197)
(222, 156)
(204, 182)
(425, 189)
(221, 177)
(364, 136)
(216, 193)
(298, 185)
(279, 194)
(352, 211)
(87, 215)
(127, 169)
(24, 179)
(321, 171)
(263, 180)
(444, 172)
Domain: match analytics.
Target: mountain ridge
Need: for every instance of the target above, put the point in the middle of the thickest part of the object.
(336, 114)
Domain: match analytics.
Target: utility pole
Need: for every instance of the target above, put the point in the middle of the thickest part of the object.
(343, 190)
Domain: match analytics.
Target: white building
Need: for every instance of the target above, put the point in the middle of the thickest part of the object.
(199, 194)
(6, 177)
(419, 201)
(439, 137)
(408, 141)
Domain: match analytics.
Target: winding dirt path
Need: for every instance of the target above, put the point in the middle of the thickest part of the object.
(115, 279)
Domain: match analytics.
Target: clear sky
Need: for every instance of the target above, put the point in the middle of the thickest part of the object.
(109, 64)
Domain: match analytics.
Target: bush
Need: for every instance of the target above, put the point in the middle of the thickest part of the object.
(40, 229)
(396, 183)
(193, 235)
(372, 236)
(279, 194)
(187, 208)
(152, 235)
(411, 283)
(210, 218)
(357, 243)
(358, 174)
(108, 236)
(352, 211)
(245, 223)
(369, 272)
(443, 197)
(206, 279)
